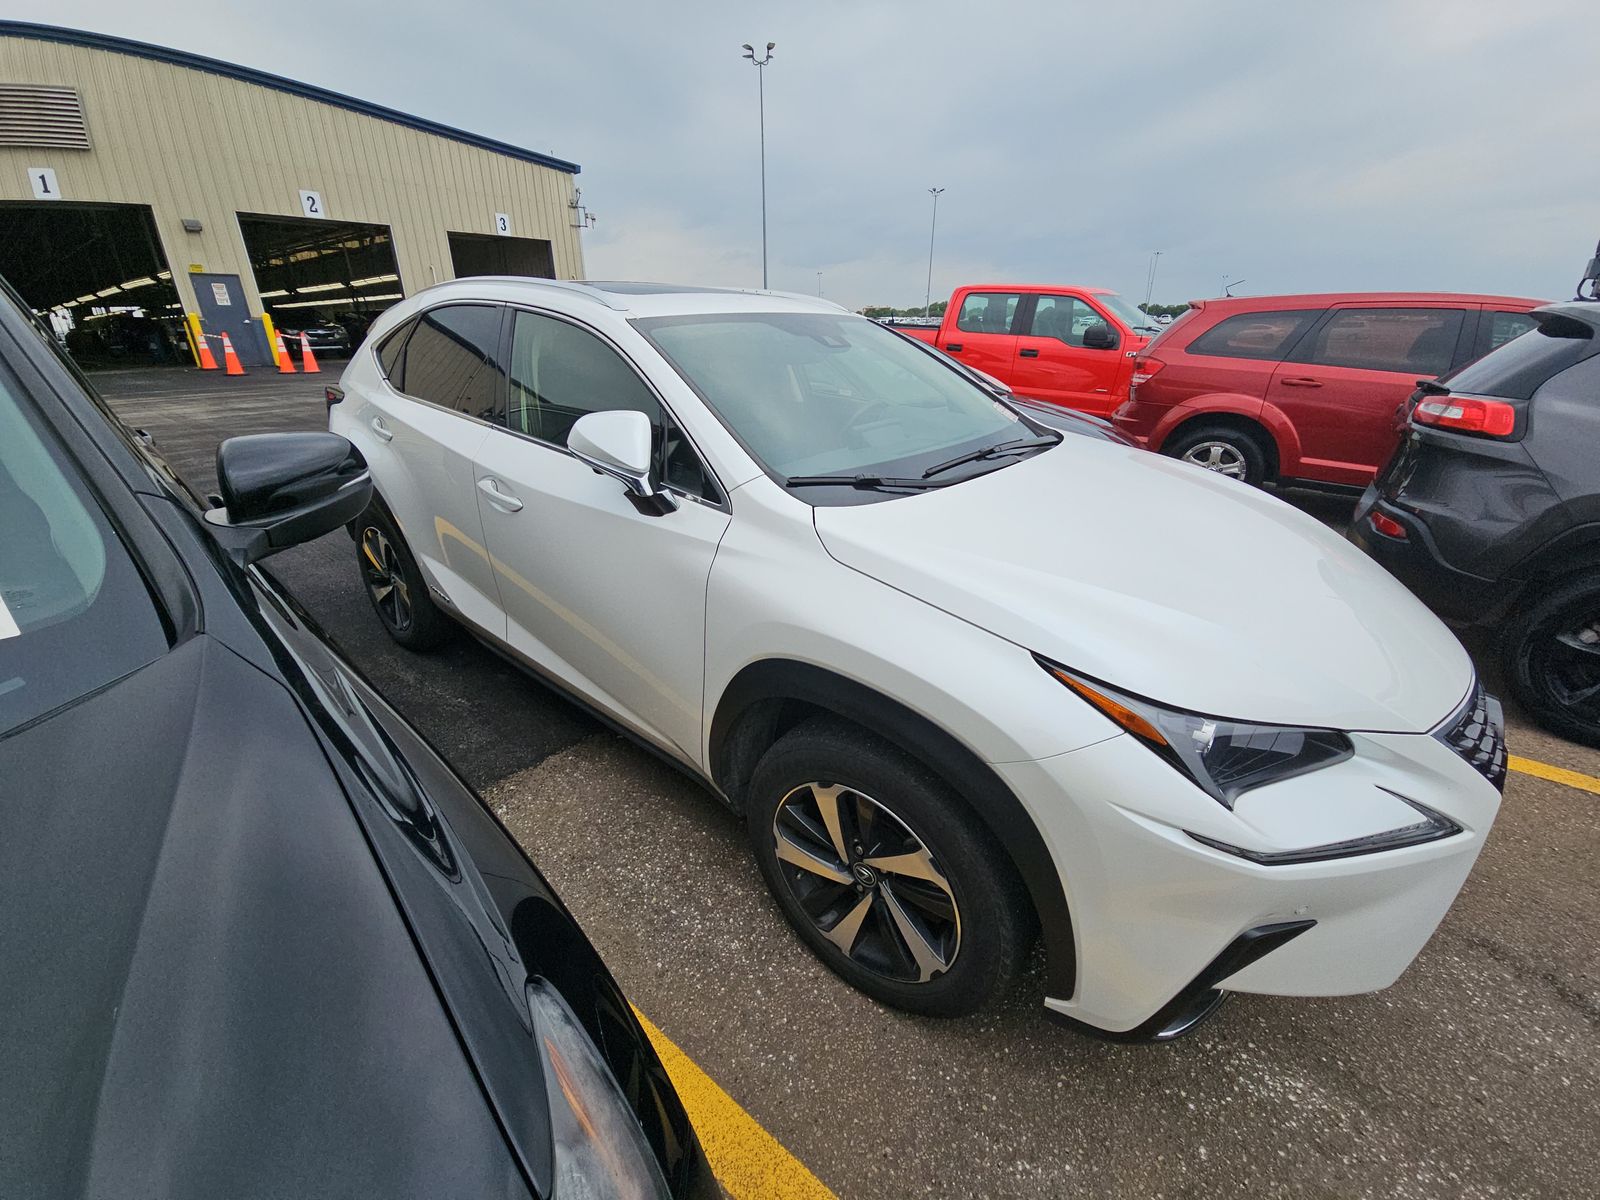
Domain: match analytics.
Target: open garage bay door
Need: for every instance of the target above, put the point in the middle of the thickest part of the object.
(329, 278)
(97, 272)
(490, 254)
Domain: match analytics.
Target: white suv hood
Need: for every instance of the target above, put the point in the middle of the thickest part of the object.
(1169, 582)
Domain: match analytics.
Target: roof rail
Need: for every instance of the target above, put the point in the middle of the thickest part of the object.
(561, 285)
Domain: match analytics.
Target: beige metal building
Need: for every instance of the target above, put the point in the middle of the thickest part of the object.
(139, 184)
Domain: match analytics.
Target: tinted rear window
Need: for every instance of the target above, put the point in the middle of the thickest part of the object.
(1517, 369)
(1260, 335)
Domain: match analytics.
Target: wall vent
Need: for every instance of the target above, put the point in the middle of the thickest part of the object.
(42, 115)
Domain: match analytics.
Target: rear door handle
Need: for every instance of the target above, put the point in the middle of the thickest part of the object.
(505, 501)
(385, 434)
(1027, 354)
(953, 346)
(1301, 381)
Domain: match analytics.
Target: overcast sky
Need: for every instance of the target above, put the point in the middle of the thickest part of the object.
(1337, 145)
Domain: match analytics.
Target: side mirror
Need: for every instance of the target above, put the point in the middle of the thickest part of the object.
(618, 444)
(1100, 336)
(281, 489)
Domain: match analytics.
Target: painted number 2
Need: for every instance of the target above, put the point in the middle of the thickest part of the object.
(311, 204)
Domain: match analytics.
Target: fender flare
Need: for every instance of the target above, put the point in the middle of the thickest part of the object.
(1252, 408)
(746, 722)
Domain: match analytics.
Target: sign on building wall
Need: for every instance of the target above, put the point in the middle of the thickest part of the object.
(44, 183)
(311, 204)
(219, 292)
(502, 223)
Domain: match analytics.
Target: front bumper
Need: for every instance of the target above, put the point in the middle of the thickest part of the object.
(1154, 910)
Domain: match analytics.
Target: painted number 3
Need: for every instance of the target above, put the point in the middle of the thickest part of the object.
(502, 223)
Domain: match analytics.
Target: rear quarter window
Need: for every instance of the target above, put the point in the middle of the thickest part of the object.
(1257, 335)
(1520, 367)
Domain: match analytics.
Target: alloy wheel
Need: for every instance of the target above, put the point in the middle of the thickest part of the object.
(1567, 664)
(867, 882)
(385, 580)
(1222, 457)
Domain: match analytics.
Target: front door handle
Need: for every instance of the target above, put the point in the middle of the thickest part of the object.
(1027, 354)
(953, 347)
(505, 501)
(385, 434)
(1301, 381)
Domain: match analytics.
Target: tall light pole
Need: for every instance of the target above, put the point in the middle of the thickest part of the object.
(761, 101)
(1150, 277)
(927, 296)
(819, 284)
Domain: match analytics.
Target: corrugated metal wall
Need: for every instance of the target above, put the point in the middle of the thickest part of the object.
(193, 144)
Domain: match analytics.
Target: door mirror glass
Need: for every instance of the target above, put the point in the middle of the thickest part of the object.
(1100, 336)
(281, 489)
(618, 443)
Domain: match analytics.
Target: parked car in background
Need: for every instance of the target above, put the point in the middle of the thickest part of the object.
(259, 940)
(325, 337)
(1490, 510)
(1070, 346)
(895, 623)
(1303, 389)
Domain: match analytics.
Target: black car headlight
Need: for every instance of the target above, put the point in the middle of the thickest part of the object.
(600, 1150)
(1224, 758)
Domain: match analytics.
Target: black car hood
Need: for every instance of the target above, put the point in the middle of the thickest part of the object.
(206, 986)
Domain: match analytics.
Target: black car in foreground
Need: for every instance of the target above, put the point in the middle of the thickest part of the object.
(256, 938)
(1490, 510)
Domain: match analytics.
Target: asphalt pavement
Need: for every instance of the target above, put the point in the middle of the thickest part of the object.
(1477, 1075)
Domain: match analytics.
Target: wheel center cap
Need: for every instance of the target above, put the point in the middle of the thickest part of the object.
(865, 875)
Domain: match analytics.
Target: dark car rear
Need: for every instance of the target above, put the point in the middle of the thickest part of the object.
(1490, 509)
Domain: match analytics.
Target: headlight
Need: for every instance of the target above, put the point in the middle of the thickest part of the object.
(1224, 758)
(600, 1150)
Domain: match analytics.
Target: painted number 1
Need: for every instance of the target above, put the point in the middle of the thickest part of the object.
(43, 180)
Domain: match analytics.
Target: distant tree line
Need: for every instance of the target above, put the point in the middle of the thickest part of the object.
(1163, 310)
(877, 311)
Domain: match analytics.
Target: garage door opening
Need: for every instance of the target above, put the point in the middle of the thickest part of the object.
(329, 279)
(97, 273)
(489, 254)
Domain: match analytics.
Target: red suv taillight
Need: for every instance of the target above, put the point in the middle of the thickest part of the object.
(1144, 370)
(1466, 414)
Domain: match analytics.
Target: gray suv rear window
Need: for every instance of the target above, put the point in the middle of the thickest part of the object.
(1517, 369)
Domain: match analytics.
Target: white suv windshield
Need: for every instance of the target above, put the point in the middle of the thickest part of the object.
(814, 394)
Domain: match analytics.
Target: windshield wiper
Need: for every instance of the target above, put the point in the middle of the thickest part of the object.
(866, 482)
(1016, 447)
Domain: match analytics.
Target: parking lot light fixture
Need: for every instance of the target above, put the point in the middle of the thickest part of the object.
(927, 296)
(761, 106)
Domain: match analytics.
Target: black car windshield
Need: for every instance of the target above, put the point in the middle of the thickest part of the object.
(74, 611)
(821, 395)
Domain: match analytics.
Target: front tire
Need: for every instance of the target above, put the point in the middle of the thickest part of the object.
(1552, 660)
(1223, 449)
(394, 584)
(884, 872)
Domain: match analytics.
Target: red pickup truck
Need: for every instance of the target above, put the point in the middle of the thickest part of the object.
(1071, 346)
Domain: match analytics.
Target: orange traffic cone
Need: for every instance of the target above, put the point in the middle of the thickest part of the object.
(308, 360)
(234, 367)
(202, 346)
(285, 363)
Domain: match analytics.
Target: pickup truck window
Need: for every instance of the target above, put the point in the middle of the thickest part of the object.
(988, 312)
(1064, 318)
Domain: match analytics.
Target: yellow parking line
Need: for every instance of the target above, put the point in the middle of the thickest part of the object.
(747, 1160)
(1530, 766)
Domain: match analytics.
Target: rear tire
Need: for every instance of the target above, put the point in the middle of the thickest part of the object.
(394, 583)
(904, 893)
(1223, 449)
(1551, 655)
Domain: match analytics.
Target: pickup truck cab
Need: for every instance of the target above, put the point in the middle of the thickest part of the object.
(1071, 346)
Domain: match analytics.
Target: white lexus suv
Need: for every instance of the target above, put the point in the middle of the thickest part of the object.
(968, 678)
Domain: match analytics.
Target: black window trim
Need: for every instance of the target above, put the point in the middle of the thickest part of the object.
(721, 502)
(1305, 341)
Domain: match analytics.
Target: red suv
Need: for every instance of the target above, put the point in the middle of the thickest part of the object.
(1303, 388)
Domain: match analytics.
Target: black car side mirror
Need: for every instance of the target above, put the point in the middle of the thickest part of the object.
(1100, 336)
(281, 489)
